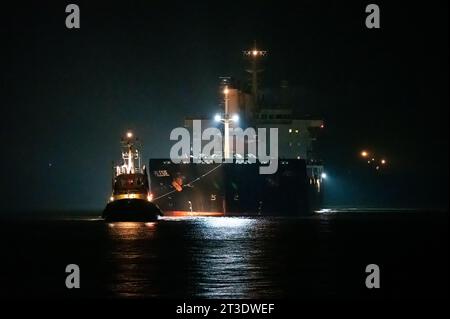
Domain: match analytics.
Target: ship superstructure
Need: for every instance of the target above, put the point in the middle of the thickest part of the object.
(297, 134)
(130, 178)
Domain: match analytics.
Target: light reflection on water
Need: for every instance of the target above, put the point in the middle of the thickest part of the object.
(131, 261)
(229, 261)
(232, 275)
(322, 257)
(210, 257)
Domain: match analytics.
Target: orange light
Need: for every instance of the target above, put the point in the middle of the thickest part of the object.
(255, 52)
(150, 197)
(364, 154)
(383, 161)
(129, 135)
(177, 184)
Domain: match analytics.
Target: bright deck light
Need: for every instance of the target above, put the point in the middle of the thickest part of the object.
(235, 118)
(217, 118)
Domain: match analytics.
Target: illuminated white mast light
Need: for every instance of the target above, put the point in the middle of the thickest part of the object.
(226, 145)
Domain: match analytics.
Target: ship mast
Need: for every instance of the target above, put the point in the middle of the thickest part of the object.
(254, 55)
(130, 155)
(226, 125)
(226, 119)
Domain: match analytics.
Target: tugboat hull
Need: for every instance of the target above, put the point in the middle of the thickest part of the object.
(131, 210)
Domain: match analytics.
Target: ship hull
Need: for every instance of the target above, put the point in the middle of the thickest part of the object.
(229, 189)
(131, 210)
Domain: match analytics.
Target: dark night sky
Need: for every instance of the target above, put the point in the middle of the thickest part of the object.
(68, 95)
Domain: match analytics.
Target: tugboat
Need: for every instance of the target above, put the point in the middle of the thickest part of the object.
(131, 199)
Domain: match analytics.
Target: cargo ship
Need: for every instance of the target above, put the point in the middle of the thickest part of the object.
(200, 184)
(130, 199)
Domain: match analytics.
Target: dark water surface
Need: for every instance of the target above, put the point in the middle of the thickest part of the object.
(323, 256)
